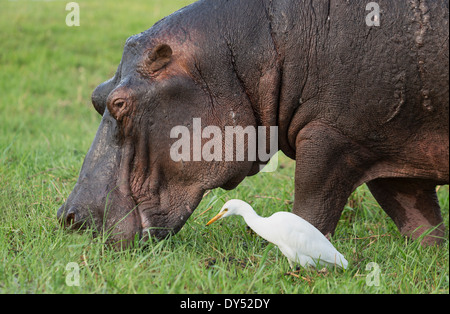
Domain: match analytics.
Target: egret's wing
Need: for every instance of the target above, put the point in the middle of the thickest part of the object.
(304, 240)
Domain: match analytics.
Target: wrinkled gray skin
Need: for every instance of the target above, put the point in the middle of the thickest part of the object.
(354, 104)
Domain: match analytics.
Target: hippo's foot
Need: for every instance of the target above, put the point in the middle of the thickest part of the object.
(413, 206)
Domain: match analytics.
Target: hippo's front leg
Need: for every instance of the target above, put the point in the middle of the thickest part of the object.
(329, 166)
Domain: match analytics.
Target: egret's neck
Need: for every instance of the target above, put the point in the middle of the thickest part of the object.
(248, 213)
(252, 219)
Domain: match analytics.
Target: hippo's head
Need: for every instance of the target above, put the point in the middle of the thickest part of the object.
(129, 185)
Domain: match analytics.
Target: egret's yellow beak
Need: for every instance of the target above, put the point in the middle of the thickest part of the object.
(218, 216)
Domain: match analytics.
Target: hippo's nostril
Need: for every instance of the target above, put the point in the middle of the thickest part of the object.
(70, 219)
(67, 217)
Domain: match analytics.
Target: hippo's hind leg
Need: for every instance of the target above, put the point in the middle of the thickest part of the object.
(413, 206)
(329, 167)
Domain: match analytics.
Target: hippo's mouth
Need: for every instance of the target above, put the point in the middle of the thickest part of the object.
(161, 218)
(117, 224)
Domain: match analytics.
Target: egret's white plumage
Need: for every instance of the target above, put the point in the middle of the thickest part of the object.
(296, 238)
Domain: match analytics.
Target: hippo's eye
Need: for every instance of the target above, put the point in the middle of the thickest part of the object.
(119, 104)
(118, 108)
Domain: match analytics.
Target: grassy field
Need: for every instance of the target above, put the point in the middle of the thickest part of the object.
(47, 73)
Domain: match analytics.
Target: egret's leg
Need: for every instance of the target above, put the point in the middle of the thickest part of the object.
(329, 166)
(412, 205)
(292, 265)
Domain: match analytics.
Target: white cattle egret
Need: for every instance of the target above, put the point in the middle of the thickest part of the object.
(296, 238)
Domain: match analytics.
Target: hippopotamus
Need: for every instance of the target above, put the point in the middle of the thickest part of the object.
(353, 103)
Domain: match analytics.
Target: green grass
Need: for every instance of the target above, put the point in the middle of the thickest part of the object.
(47, 73)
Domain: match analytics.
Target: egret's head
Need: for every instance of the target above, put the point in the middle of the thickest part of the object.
(233, 207)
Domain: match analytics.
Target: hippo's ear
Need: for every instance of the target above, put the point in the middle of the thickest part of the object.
(158, 57)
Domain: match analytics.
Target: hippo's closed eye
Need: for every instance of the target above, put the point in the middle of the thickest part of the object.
(119, 104)
(118, 108)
